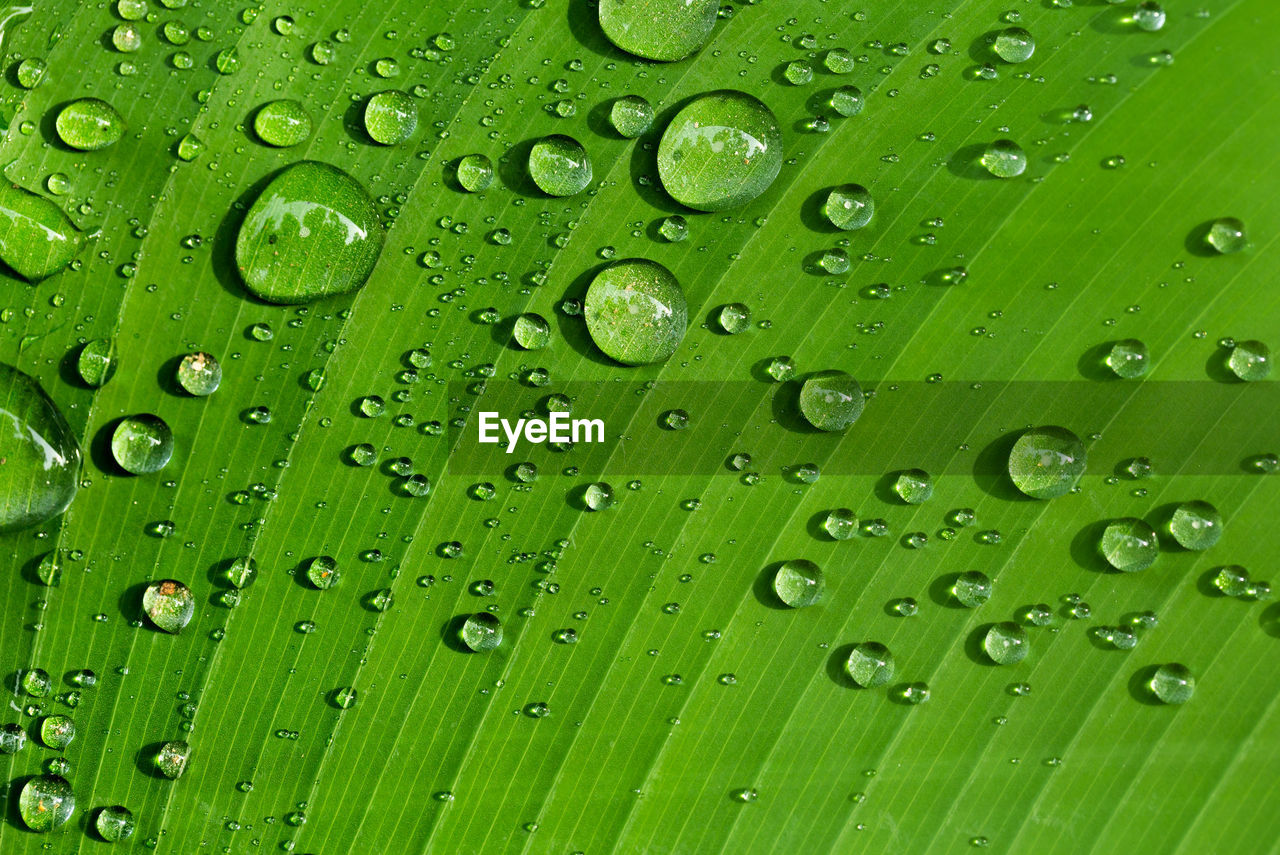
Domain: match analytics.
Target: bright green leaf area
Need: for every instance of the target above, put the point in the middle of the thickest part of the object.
(1065, 258)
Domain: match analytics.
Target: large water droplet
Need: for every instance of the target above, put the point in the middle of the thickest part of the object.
(1013, 44)
(1226, 235)
(1127, 358)
(870, 664)
(1129, 544)
(199, 373)
(169, 603)
(1006, 643)
(1046, 462)
(311, 233)
(559, 165)
(1004, 159)
(971, 588)
(57, 731)
(282, 123)
(722, 150)
(89, 124)
(114, 823)
(474, 172)
(849, 206)
(1196, 525)
(36, 238)
(831, 400)
(46, 802)
(1173, 683)
(390, 117)
(667, 30)
(636, 312)
(172, 758)
(1250, 360)
(142, 444)
(798, 583)
(481, 632)
(40, 463)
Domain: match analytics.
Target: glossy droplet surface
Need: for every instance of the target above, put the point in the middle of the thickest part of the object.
(636, 312)
(89, 124)
(1250, 360)
(721, 150)
(199, 373)
(849, 207)
(481, 632)
(40, 461)
(322, 571)
(172, 758)
(1173, 683)
(631, 116)
(798, 583)
(831, 400)
(1127, 358)
(37, 239)
(96, 362)
(1006, 643)
(142, 444)
(282, 123)
(57, 731)
(971, 589)
(390, 117)
(169, 603)
(559, 165)
(311, 233)
(840, 524)
(46, 802)
(665, 30)
(1004, 159)
(1047, 462)
(870, 664)
(474, 172)
(1196, 525)
(913, 486)
(531, 331)
(1129, 545)
(1226, 235)
(114, 823)
(1013, 45)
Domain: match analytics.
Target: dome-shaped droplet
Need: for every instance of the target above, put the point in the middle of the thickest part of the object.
(598, 496)
(242, 572)
(849, 206)
(1006, 643)
(1004, 159)
(40, 468)
(971, 589)
(1046, 462)
(36, 238)
(1232, 580)
(1226, 235)
(831, 400)
(734, 318)
(481, 632)
(282, 123)
(848, 101)
(142, 444)
(172, 758)
(665, 30)
(169, 603)
(1250, 360)
(390, 117)
(474, 172)
(57, 731)
(1127, 358)
(840, 524)
(96, 362)
(1129, 544)
(1013, 44)
(1173, 683)
(636, 312)
(46, 802)
(1149, 16)
(870, 664)
(559, 165)
(913, 486)
(531, 331)
(631, 115)
(31, 72)
(89, 124)
(1196, 525)
(12, 738)
(199, 373)
(798, 583)
(322, 571)
(312, 232)
(722, 150)
(114, 823)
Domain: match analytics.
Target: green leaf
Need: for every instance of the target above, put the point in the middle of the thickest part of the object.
(971, 309)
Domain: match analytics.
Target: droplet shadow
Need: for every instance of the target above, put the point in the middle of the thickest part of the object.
(941, 591)
(836, 670)
(222, 255)
(762, 588)
(1140, 686)
(966, 162)
(991, 469)
(1084, 548)
(573, 329)
(451, 634)
(145, 760)
(1092, 364)
(973, 648)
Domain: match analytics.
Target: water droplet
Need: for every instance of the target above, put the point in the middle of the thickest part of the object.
(1127, 358)
(1129, 544)
(913, 486)
(631, 116)
(169, 603)
(481, 632)
(242, 572)
(870, 664)
(40, 463)
(734, 318)
(531, 331)
(663, 31)
(1004, 159)
(1013, 45)
(114, 823)
(322, 571)
(1226, 235)
(39, 239)
(390, 117)
(474, 172)
(559, 165)
(1006, 643)
(142, 444)
(46, 802)
(831, 400)
(848, 101)
(312, 232)
(190, 147)
(171, 760)
(199, 373)
(31, 72)
(1173, 683)
(636, 312)
(721, 150)
(1149, 16)
(36, 682)
(674, 228)
(840, 524)
(798, 583)
(1196, 525)
(971, 589)
(1250, 360)
(915, 693)
(282, 123)
(57, 731)
(89, 124)
(747, 795)
(12, 738)
(1046, 462)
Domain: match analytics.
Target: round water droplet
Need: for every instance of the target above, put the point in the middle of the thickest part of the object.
(242, 572)
(1129, 544)
(312, 232)
(172, 758)
(31, 72)
(322, 571)
(1173, 683)
(169, 603)
(722, 150)
(915, 693)
(1006, 643)
(36, 682)
(532, 332)
(1127, 358)
(665, 31)
(674, 228)
(1250, 360)
(971, 589)
(1047, 462)
(12, 738)
(199, 373)
(1004, 159)
(57, 731)
(840, 524)
(282, 123)
(913, 486)
(559, 165)
(849, 206)
(1232, 580)
(870, 664)
(481, 632)
(89, 124)
(798, 583)
(38, 239)
(1196, 525)
(831, 400)
(41, 459)
(46, 802)
(734, 318)
(631, 116)
(114, 823)
(636, 312)
(390, 117)
(1013, 45)
(1226, 235)
(1149, 16)
(474, 172)
(848, 101)
(142, 444)
(598, 496)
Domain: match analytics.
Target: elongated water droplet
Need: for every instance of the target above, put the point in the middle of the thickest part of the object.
(721, 150)
(831, 400)
(559, 165)
(89, 124)
(96, 362)
(46, 802)
(37, 239)
(1047, 462)
(40, 461)
(665, 31)
(798, 583)
(169, 603)
(282, 123)
(636, 312)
